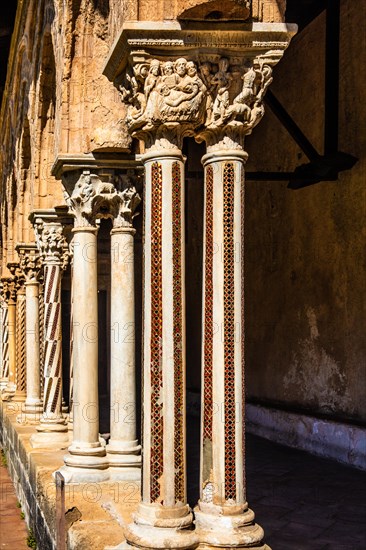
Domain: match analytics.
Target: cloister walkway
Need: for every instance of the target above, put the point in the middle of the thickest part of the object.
(303, 502)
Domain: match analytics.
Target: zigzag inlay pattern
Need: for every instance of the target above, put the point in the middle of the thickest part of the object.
(52, 334)
(5, 336)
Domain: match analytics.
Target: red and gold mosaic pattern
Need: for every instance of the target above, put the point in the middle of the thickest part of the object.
(229, 331)
(178, 333)
(242, 328)
(156, 460)
(208, 309)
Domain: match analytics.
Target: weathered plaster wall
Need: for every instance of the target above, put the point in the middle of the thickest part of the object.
(306, 249)
(27, 126)
(90, 113)
(159, 10)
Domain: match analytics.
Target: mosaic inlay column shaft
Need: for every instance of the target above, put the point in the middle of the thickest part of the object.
(223, 518)
(164, 505)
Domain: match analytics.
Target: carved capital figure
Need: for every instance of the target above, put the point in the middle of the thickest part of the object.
(9, 289)
(52, 243)
(129, 201)
(17, 273)
(29, 261)
(166, 101)
(92, 198)
(234, 108)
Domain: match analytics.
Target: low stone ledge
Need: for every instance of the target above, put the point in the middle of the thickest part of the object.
(343, 442)
(100, 509)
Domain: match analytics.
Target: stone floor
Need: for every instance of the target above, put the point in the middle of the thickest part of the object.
(303, 502)
(13, 529)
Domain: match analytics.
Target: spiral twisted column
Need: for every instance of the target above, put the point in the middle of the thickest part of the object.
(31, 265)
(10, 349)
(52, 429)
(20, 377)
(4, 336)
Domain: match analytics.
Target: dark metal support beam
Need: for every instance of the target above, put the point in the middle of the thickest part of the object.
(331, 77)
(288, 122)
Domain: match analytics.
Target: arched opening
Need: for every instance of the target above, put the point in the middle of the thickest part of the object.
(216, 10)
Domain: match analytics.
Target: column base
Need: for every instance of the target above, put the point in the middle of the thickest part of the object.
(20, 397)
(124, 460)
(50, 440)
(158, 527)
(83, 474)
(210, 547)
(216, 527)
(31, 413)
(83, 465)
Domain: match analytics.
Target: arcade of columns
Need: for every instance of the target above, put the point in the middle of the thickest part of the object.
(208, 85)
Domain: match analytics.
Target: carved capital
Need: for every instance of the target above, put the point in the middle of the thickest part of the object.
(129, 199)
(29, 261)
(52, 243)
(17, 273)
(9, 289)
(235, 102)
(166, 101)
(176, 83)
(92, 198)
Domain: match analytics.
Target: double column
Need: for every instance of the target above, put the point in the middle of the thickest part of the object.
(95, 197)
(30, 264)
(52, 429)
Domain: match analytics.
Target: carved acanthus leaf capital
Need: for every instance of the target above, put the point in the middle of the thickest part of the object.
(52, 243)
(30, 262)
(92, 198)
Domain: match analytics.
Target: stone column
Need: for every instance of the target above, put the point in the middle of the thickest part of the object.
(52, 430)
(6, 286)
(10, 288)
(1, 334)
(87, 461)
(166, 100)
(164, 519)
(223, 518)
(123, 448)
(21, 373)
(30, 264)
(71, 388)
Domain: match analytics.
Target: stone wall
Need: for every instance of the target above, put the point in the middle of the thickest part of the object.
(305, 249)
